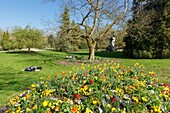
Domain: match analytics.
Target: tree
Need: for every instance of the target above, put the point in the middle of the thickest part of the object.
(92, 14)
(5, 41)
(51, 41)
(102, 43)
(19, 35)
(120, 34)
(28, 37)
(147, 32)
(63, 39)
(65, 19)
(1, 35)
(75, 41)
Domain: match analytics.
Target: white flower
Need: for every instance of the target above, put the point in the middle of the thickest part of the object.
(152, 91)
(100, 110)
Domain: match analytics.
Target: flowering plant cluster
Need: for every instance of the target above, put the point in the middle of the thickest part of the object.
(102, 88)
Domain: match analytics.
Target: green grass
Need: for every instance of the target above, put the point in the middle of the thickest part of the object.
(161, 67)
(13, 80)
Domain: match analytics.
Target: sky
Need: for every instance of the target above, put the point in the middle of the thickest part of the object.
(26, 12)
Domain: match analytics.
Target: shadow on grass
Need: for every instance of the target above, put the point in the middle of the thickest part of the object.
(46, 55)
(10, 79)
(43, 57)
(52, 56)
(15, 82)
(117, 54)
(105, 54)
(21, 52)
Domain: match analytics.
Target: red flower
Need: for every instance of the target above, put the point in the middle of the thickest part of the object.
(73, 109)
(128, 71)
(166, 85)
(113, 99)
(165, 92)
(152, 73)
(91, 81)
(76, 95)
(85, 74)
(48, 111)
(132, 77)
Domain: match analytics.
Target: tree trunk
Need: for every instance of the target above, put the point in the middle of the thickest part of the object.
(29, 49)
(91, 53)
(91, 44)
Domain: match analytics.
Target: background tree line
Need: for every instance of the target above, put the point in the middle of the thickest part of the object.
(96, 20)
(20, 38)
(148, 33)
(70, 41)
(29, 37)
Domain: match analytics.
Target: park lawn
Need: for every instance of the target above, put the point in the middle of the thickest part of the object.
(161, 67)
(13, 80)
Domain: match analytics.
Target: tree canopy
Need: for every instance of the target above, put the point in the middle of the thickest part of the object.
(5, 41)
(28, 37)
(93, 15)
(148, 31)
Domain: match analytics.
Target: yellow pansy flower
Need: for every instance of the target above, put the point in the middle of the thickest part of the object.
(115, 70)
(33, 85)
(90, 89)
(113, 109)
(96, 78)
(45, 103)
(50, 104)
(47, 92)
(85, 87)
(84, 81)
(88, 110)
(94, 102)
(144, 99)
(136, 64)
(135, 99)
(94, 67)
(59, 101)
(28, 109)
(34, 107)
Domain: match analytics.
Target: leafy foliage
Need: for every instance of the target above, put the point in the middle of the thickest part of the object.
(1, 35)
(148, 35)
(94, 15)
(51, 41)
(28, 37)
(68, 40)
(5, 41)
(83, 44)
(63, 39)
(76, 40)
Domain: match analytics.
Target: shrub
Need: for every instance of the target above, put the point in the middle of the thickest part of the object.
(107, 87)
(149, 30)
(83, 45)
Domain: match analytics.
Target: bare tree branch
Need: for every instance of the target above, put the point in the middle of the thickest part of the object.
(95, 17)
(117, 18)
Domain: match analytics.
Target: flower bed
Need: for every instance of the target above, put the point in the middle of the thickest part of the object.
(102, 88)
